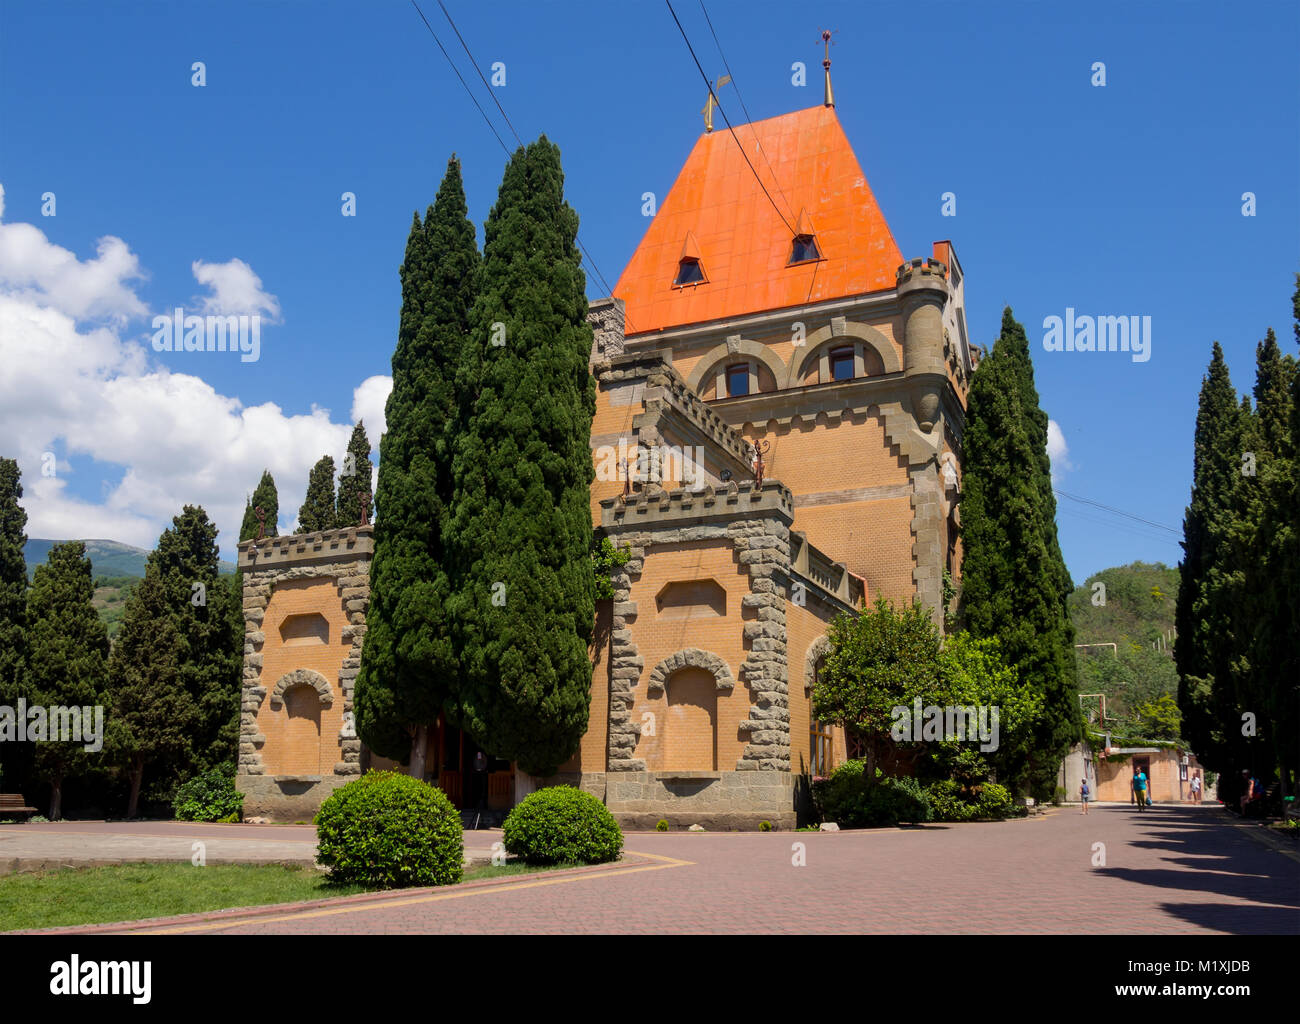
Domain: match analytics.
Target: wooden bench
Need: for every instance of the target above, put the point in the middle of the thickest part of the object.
(12, 804)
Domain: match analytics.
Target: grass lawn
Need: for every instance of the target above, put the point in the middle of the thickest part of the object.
(129, 892)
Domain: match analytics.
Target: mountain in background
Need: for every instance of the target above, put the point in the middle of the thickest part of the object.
(107, 557)
(1137, 616)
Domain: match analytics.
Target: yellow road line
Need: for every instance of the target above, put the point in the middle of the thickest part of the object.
(669, 862)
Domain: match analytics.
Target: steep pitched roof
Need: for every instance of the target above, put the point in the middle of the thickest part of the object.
(742, 241)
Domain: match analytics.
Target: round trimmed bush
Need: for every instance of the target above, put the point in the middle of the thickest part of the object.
(661, 825)
(387, 830)
(562, 825)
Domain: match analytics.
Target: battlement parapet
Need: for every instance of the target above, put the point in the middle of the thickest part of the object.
(350, 543)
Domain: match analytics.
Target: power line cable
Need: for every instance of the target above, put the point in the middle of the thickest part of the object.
(481, 111)
(1118, 512)
(578, 241)
(748, 116)
(734, 136)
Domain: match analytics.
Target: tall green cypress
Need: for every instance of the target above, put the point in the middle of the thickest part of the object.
(354, 480)
(153, 718)
(206, 611)
(267, 499)
(525, 604)
(1014, 580)
(1267, 670)
(408, 661)
(317, 511)
(1204, 619)
(14, 758)
(68, 648)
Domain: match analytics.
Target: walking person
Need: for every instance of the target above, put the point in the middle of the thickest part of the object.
(1084, 794)
(1196, 788)
(1140, 789)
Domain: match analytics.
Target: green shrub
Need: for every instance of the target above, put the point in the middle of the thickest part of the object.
(387, 830)
(209, 797)
(562, 825)
(951, 801)
(845, 798)
(765, 826)
(661, 825)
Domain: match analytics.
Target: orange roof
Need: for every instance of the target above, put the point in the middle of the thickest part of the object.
(717, 211)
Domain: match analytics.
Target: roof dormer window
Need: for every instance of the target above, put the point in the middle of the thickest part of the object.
(690, 267)
(805, 249)
(689, 272)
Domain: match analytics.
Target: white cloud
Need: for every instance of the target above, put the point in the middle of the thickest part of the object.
(368, 402)
(1057, 451)
(71, 382)
(42, 274)
(235, 290)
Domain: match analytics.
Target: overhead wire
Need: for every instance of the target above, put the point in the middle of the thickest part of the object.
(628, 327)
(727, 120)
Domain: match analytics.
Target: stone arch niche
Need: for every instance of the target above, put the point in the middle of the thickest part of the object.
(691, 657)
(301, 734)
(817, 650)
(731, 350)
(834, 335)
(303, 677)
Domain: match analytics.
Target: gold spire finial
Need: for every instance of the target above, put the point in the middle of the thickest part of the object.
(712, 102)
(829, 101)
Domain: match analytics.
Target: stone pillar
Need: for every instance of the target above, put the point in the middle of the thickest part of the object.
(607, 318)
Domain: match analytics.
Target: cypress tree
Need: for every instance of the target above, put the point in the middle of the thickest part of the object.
(1207, 590)
(408, 662)
(267, 499)
(153, 716)
(354, 480)
(206, 611)
(525, 604)
(317, 512)
(14, 758)
(1267, 675)
(1014, 580)
(68, 648)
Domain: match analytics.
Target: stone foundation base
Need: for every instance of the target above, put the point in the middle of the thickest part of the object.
(287, 798)
(718, 801)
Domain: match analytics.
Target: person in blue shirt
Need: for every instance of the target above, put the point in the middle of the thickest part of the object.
(1140, 789)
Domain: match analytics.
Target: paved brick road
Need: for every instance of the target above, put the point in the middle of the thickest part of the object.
(1170, 870)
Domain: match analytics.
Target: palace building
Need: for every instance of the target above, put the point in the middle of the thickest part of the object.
(768, 326)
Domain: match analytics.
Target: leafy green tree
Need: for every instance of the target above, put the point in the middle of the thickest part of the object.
(317, 511)
(973, 673)
(14, 758)
(408, 663)
(525, 603)
(354, 480)
(68, 648)
(153, 716)
(1014, 582)
(267, 499)
(206, 611)
(880, 659)
(1158, 719)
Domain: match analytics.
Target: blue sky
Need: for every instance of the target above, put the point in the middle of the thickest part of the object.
(1119, 200)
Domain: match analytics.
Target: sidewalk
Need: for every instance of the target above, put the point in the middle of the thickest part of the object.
(48, 846)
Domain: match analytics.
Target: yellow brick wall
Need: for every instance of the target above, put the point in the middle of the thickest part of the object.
(294, 746)
(591, 754)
